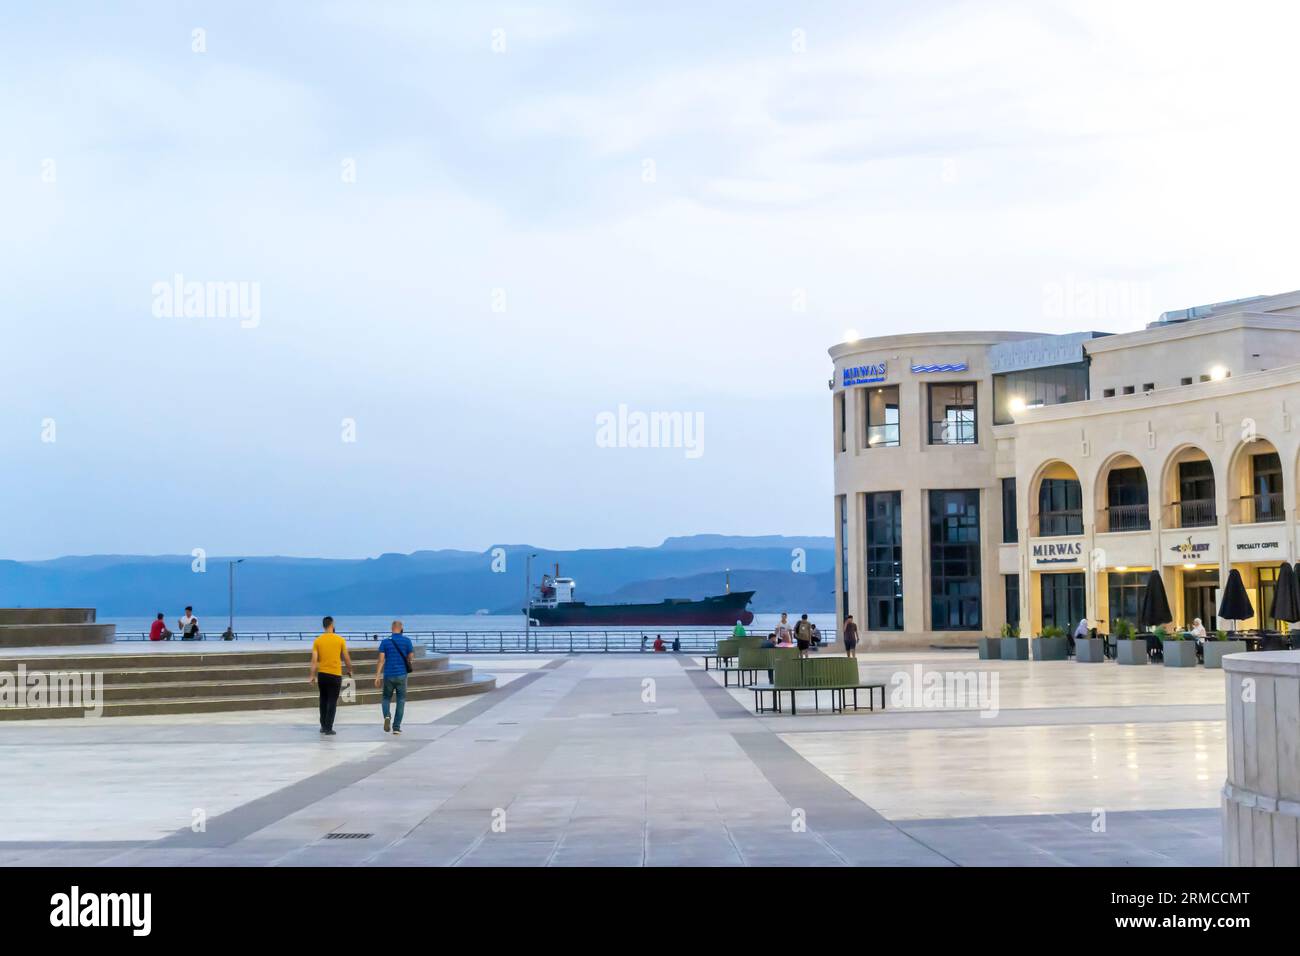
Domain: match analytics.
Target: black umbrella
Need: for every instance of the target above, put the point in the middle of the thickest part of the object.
(1235, 605)
(1155, 603)
(1286, 596)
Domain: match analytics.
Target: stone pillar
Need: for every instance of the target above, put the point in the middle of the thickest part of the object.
(1261, 795)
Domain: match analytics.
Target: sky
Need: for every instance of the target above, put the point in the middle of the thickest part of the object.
(466, 235)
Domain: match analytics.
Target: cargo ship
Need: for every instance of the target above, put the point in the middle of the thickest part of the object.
(556, 606)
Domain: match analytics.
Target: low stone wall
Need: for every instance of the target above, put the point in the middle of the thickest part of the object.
(46, 615)
(56, 635)
(1261, 796)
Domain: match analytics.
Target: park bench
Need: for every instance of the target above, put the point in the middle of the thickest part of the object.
(752, 660)
(837, 675)
(727, 651)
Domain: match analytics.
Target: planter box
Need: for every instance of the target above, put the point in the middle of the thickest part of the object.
(1180, 653)
(990, 648)
(1089, 650)
(1015, 648)
(1051, 648)
(1131, 652)
(1214, 651)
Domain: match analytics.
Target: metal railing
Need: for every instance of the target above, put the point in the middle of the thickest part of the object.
(1049, 524)
(1259, 508)
(1193, 513)
(1127, 518)
(538, 641)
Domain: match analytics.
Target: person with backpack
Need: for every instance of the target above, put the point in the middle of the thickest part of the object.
(803, 635)
(394, 664)
(189, 625)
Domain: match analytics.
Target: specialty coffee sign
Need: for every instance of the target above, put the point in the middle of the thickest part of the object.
(1068, 552)
(864, 374)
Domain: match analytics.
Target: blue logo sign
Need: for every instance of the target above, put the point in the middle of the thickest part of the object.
(949, 367)
(864, 374)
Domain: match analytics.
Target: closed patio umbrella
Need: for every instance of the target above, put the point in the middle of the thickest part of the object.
(1286, 596)
(1235, 605)
(1155, 603)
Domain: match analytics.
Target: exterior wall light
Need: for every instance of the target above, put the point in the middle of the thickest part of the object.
(1218, 373)
(1016, 405)
(1189, 567)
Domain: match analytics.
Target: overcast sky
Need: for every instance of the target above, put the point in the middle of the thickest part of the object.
(474, 228)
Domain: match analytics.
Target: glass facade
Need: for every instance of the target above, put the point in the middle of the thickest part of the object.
(1124, 591)
(841, 405)
(1196, 508)
(955, 560)
(884, 539)
(1039, 386)
(1064, 600)
(1264, 600)
(1266, 488)
(1060, 507)
(844, 555)
(1011, 584)
(882, 417)
(952, 414)
(1126, 500)
(1010, 531)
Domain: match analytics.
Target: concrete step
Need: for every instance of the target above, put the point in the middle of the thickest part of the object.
(274, 687)
(114, 676)
(50, 635)
(165, 659)
(367, 696)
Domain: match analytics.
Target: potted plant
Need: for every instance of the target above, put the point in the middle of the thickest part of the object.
(1217, 644)
(1090, 650)
(1051, 644)
(1014, 647)
(991, 647)
(1129, 647)
(1179, 651)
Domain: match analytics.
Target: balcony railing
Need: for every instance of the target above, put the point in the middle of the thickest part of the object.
(952, 433)
(1193, 513)
(882, 436)
(1126, 518)
(1259, 508)
(1049, 524)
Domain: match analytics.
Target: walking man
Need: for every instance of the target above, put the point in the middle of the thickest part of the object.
(329, 653)
(803, 635)
(394, 664)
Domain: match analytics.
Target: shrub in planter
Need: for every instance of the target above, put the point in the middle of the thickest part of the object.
(1129, 647)
(1013, 646)
(1051, 645)
(1179, 652)
(1217, 644)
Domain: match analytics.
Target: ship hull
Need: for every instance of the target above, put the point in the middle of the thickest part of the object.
(722, 610)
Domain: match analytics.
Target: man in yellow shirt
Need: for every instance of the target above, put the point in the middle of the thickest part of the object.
(329, 653)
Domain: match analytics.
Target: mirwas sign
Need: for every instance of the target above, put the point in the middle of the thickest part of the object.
(1181, 547)
(1057, 552)
(865, 374)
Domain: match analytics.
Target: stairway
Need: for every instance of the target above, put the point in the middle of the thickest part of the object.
(192, 682)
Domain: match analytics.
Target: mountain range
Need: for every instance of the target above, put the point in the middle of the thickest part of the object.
(788, 573)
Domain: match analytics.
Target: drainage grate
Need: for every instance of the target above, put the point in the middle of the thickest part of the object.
(348, 836)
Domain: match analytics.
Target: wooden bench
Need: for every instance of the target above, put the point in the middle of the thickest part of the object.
(836, 675)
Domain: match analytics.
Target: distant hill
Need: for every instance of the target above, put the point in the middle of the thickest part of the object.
(430, 582)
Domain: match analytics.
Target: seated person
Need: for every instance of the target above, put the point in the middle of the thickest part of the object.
(659, 644)
(158, 629)
(677, 645)
(770, 642)
(1197, 630)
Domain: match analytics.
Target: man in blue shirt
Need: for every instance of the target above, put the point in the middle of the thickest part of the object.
(394, 664)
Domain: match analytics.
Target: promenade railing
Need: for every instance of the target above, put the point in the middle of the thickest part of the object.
(537, 641)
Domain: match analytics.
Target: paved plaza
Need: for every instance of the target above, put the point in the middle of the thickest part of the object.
(644, 759)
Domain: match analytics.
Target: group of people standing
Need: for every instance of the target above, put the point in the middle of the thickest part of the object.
(804, 635)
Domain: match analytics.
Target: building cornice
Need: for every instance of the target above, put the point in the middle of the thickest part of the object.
(910, 340)
(1192, 328)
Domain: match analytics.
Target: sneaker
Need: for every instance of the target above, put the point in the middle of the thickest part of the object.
(324, 731)
(397, 730)
(331, 733)
(388, 725)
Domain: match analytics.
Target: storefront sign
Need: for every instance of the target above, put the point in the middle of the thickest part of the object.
(1191, 549)
(1044, 554)
(865, 374)
(1179, 547)
(942, 367)
(1257, 549)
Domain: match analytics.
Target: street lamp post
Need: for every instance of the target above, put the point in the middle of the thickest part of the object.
(230, 628)
(528, 596)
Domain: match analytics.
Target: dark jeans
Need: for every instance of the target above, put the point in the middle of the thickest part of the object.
(330, 685)
(395, 685)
